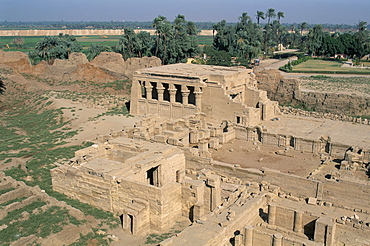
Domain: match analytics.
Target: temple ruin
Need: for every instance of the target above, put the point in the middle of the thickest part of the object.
(162, 169)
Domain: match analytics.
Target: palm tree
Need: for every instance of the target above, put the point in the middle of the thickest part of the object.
(303, 26)
(180, 25)
(260, 15)
(156, 23)
(361, 38)
(244, 18)
(191, 28)
(280, 15)
(270, 14)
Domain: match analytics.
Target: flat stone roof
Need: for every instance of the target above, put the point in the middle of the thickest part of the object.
(347, 133)
(128, 155)
(193, 70)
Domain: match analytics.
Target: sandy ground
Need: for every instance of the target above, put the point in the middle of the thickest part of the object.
(246, 154)
(82, 119)
(348, 133)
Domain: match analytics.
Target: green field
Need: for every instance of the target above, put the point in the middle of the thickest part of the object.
(205, 40)
(329, 67)
(84, 41)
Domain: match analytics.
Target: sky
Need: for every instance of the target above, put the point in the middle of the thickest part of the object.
(296, 11)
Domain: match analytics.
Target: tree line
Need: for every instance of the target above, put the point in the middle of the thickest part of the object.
(240, 42)
(136, 25)
(173, 42)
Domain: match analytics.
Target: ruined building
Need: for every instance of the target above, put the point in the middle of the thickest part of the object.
(222, 93)
(162, 169)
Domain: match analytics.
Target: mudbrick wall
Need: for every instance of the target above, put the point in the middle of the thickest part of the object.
(287, 91)
(108, 66)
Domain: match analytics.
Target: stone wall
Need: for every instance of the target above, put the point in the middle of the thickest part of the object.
(335, 103)
(285, 90)
(333, 191)
(139, 181)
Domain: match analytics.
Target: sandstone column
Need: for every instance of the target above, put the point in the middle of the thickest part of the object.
(148, 88)
(172, 90)
(160, 90)
(298, 221)
(198, 99)
(238, 240)
(271, 214)
(213, 181)
(248, 235)
(194, 136)
(185, 94)
(277, 240)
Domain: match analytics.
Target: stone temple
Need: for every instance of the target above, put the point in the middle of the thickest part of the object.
(161, 170)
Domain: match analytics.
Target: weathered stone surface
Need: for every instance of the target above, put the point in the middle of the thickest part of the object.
(16, 60)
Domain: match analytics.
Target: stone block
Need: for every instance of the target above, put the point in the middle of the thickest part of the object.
(312, 201)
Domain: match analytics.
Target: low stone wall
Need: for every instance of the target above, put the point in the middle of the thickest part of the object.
(322, 115)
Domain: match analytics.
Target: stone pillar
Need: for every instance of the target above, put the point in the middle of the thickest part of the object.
(238, 240)
(185, 94)
(138, 88)
(248, 235)
(271, 214)
(203, 149)
(298, 221)
(197, 211)
(277, 240)
(198, 99)
(214, 182)
(148, 88)
(135, 96)
(319, 190)
(203, 146)
(172, 90)
(325, 231)
(160, 90)
(194, 137)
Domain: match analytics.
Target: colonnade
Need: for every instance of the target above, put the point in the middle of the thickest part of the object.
(172, 93)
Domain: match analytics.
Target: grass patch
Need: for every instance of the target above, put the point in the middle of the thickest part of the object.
(157, 238)
(326, 67)
(16, 214)
(118, 85)
(12, 201)
(41, 224)
(6, 191)
(91, 239)
(27, 131)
